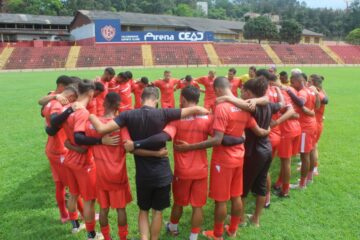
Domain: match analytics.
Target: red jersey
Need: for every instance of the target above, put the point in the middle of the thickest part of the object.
(167, 92)
(232, 121)
(125, 94)
(55, 144)
(194, 129)
(110, 161)
(101, 98)
(274, 98)
(210, 96)
(137, 89)
(113, 86)
(235, 85)
(76, 122)
(319, 113)
(91, 107)
(183, 84)
(307, 122)
(291, 127)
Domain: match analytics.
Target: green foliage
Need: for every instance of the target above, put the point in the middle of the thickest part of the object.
(290, 31)
(353, 37)
(260, 28)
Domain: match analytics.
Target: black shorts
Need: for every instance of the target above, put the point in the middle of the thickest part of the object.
(150, 197)
(255, 170)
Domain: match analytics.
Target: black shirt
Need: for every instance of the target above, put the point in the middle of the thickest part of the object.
(262, 115)
(143, 123)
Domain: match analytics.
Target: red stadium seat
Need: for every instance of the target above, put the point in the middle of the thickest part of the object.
(348, 53)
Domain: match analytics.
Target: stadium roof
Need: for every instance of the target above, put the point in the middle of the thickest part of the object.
(34, 19)
(198, 24)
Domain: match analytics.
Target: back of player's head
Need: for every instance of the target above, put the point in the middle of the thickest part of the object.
(316, 79)
(283, 74)
(252, 68)
(128, 75)
(144, 80)
(257, 86)
(121, 75)
(296, 77)
(110, 71)
(85, 86)
(263, 73)
(232, 70)
(221, 83)
(167, 71)
(150, 93)
(71, 89)
(99, 87)
(64, 80)
(188, 78)
(191, 94)
(296, 70)
(272, 77)
(304, 77)
(112, 100)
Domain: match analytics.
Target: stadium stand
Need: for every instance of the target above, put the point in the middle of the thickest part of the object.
(301, 54)
(34, 58)
(179, 54)
(107, 55)
(348, 53)
(242, 53)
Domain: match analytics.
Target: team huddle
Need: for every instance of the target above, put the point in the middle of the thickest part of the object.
(92, 125)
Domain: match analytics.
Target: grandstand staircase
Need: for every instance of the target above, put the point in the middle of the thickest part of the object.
(212, 55)
(146, 51)
(5, 55)
(72, 57)
(332, 54)
(270, 52)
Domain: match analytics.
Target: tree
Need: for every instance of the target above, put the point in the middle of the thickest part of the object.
(184, 10)
(290, 31)
(37, 7)
(260, 28)
(353, 37)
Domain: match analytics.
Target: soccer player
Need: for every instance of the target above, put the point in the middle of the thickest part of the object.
(153, 174)
(105, 79)
(284, 79)
(226, 171)
(166, 86)
(235, 82)
(187, 81)
(316, 80)
(138, 88)
(208, 83)
(273, 69)
(55, 149)
(307, 100)
(124, 90)
(61, 83)
(250, 75)
(92, 106)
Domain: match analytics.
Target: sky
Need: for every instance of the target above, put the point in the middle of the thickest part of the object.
(337, 4)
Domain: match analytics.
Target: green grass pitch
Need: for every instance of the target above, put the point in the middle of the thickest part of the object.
(328, 209)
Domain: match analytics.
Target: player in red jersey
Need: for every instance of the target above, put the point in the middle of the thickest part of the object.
(316, 81)
(208, 83)
(166, 86)
(234, 81)
(138, 88)
(187, 81)
(123, 88)
(105, 79)
(227, 161)
(92, 106)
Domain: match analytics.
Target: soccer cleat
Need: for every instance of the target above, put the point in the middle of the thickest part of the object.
(276, 187)
(316, 171)
(170, 232)
(98, 236)
(75, 230)
(281, 194)
(230, 234)
(209, 234)
(267, 205)
(297, 186)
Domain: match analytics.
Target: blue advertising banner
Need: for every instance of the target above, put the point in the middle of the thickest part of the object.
(162, 36)
(107, 30)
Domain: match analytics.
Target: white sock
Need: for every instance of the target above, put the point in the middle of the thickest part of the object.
(173, 227)
(193, 236)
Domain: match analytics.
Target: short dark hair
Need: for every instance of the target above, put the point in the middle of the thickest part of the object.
(191, 94)
(257, 86)
(144, 80)
(128, 75)
(167, 71)
(110, 71)
(122, 75)
(76, 80)
(99, 87)
(283, 73)
(272, 77)
(317, 79)
(86, 86)
(188, 78)
(221, 82)
(304, 76)
(263, 73)
(233, 70)
(73, 89)
(112, 100)
(150, 92)
(252, 68)
(64, 80)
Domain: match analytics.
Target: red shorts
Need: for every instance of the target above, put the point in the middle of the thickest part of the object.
(308, 141)
(58, 170)
(190, 191)
(114, 199)
(319, 131)
(275, 141)
(288, 147)
(83, 182)
(225, 183)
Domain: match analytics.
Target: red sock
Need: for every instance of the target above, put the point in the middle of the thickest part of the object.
(173, 220)
(218, 229)
(302, 181)
(123, 232)
(80, 206)
(106, 232)
(234, 223)
(60, 199)
(279, 182)
(90, 226)
(310, 175)
(73, 216)
(195, 230)
(285, 188)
